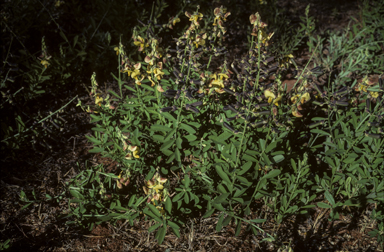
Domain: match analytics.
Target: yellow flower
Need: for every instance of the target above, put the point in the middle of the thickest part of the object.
(286, 60)
(135, 74)
(272, 97)
(219, 15)
(98, 100)
(277, 100)
(153, 83)
(158, 73)
(135, 150)
(140, 42)
(268, 94)
(195, 17)
(175, 20)
(156, 183)
(362, 87)
(160, 89)
(45, 63)
(117, 50)
(58, 3)
(296, 113)
(374, 94)
(304, 98)
(218, 81)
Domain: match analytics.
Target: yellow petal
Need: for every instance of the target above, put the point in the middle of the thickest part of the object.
(268, 94)
(296, 113)
(305, 97)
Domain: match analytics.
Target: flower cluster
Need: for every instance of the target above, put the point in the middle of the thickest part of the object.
(124, 179)
(221, 15)
(259, 29)
(44, 57)
(155, 190)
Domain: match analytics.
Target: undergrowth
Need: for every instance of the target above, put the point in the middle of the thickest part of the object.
(199, 132)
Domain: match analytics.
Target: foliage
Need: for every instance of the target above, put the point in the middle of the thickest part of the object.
(193, 132)
(196, 130)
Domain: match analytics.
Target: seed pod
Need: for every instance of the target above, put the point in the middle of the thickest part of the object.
(265, 112)
(274, 130)
(229, 119)
(317, 70)
(229, 91)
(318, 89)
(318, 103)
(374, 124)
(230, 128)
(229, 107)
(341, 103)
(196, 104)
(257, 124)
(201, 95)
(343, 91)
(376, 136)
(191, 108)
(368, 106)
(238, 105)
(313, 125)
(168, 109)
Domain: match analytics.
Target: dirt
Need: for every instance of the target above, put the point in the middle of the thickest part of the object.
(40, 228)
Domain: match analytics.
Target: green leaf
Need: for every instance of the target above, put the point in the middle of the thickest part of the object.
(168, 116)
(219, 207)
(244, 180)
(238, 228)
(168, 205)
(259, 220)
(178, 196)
(245, 168)
(166, 145)
(186, 198)
(227, 220)
(272, 174)
(93, 140)
(222, 174)
(25, 206)
(158, 138)
(114, 93)
(147, 87)
(177, 155)
(154, 210)
(320, 132)
(76, 194)
(161, 128)
(270, 147)
(323, 205)
(154, 227)
(209, 213)
(221, 198)
(179, 141)
(249, 158)
(221, 188)
(278, 158)
(329, 197)
(266, 159)
(219, 224)
(188, 128)
(293, 163)
(191, 138)
(161, 234)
